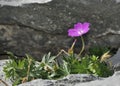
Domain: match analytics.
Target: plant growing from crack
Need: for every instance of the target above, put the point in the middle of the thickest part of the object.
(27, 69)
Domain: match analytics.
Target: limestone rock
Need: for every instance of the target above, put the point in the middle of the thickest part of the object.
(115, 60)
(21, 2)
(69, 80)
(110, 81)
(37, 29)
(2, 75)
(72, 79)
(38, 82)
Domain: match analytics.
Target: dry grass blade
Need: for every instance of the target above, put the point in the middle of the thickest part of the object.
(3, 82)
(105, 56)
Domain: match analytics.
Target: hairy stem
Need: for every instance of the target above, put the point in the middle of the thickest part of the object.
(73, 44)
(62, 51)
(25, 79)
(70, 51)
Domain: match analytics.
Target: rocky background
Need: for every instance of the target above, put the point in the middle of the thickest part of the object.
(38, 28)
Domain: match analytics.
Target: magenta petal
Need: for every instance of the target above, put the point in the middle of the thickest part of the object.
(73, 33)
(78, 25)
(86, 27)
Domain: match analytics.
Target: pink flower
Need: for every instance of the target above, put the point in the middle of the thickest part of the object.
(79, 29)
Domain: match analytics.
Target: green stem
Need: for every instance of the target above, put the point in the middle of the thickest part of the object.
(28, 71)
(83, 46)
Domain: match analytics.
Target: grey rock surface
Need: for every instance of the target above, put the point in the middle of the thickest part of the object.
(21, 2)
(2, 75)
(115, 60)
(72, 79)
(69, 80)
(37, 29)
(111, 81)
(38, 82)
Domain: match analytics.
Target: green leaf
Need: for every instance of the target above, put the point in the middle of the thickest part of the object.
(66, 67)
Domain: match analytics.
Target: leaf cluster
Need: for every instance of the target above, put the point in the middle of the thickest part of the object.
(87, 65)
(27, 69)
